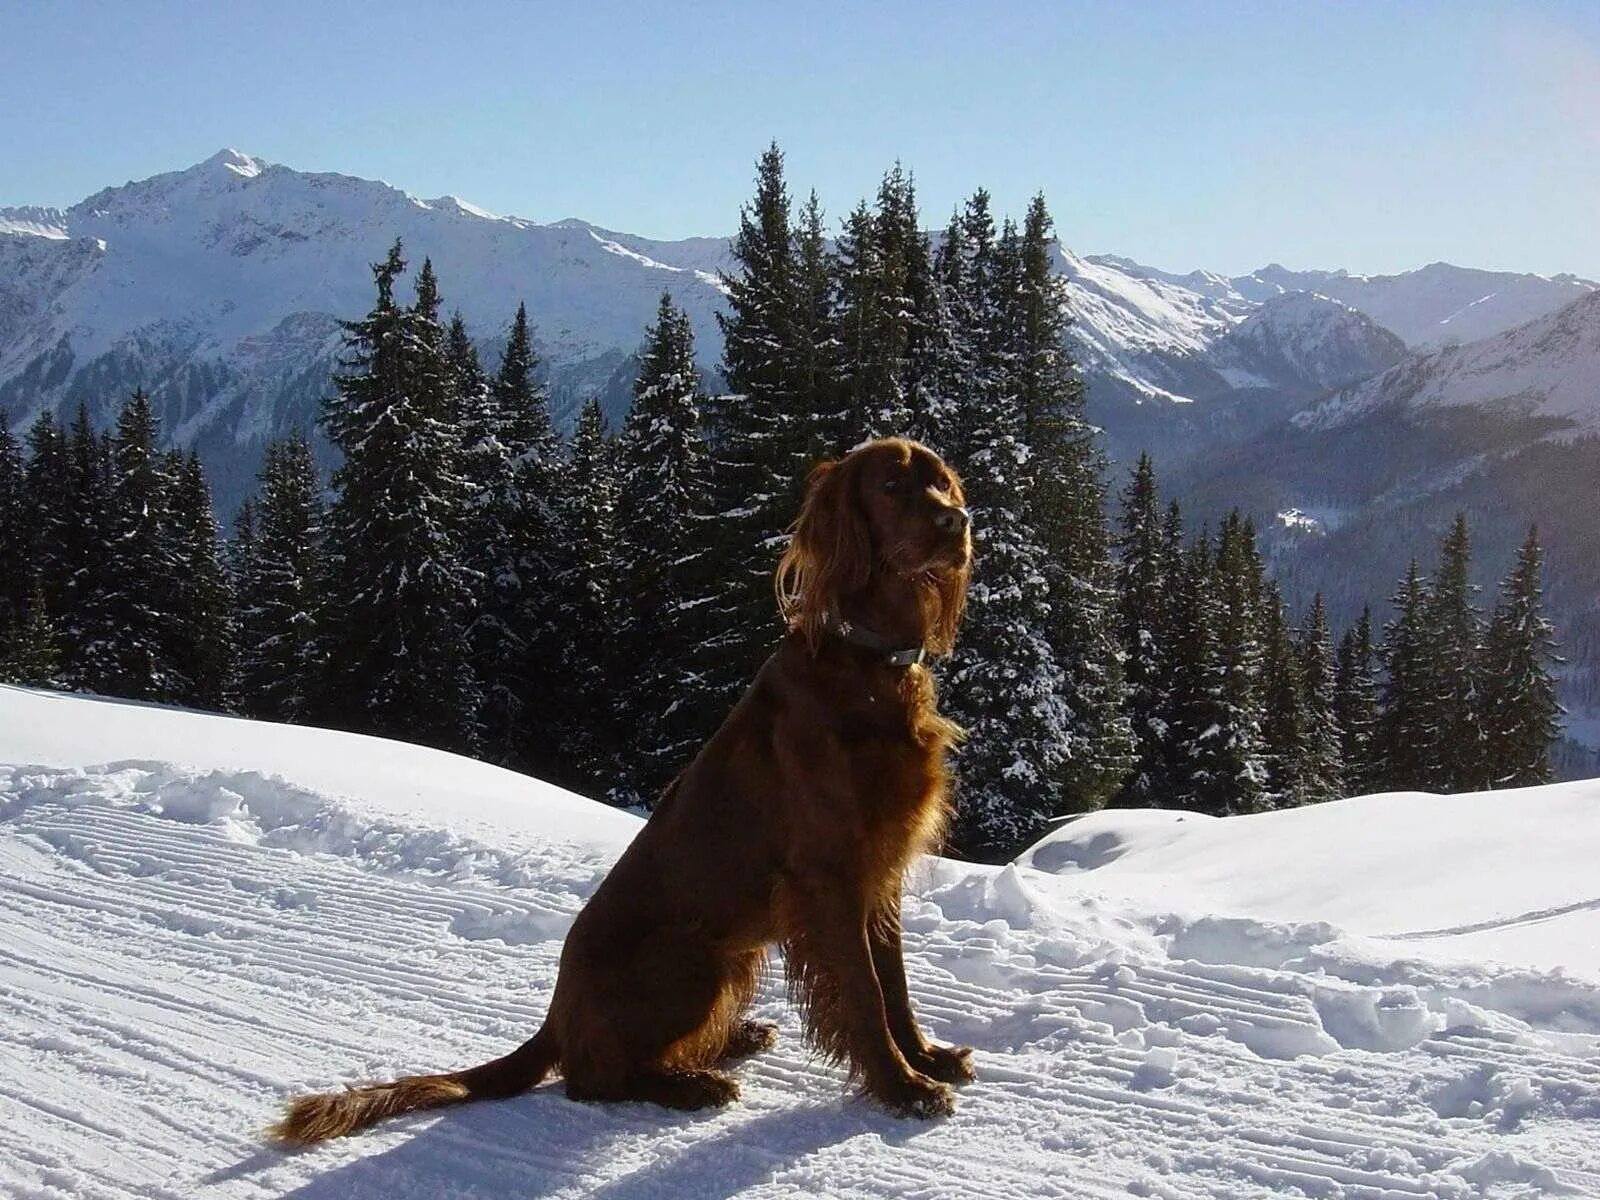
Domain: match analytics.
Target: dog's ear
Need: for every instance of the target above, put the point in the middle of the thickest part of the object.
(830, 549)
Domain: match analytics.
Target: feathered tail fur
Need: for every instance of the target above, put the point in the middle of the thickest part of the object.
(334, 1114)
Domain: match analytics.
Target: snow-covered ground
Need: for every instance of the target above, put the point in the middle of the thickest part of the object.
(1389, 997)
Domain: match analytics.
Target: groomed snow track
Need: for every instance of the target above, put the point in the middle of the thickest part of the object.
(180, 950)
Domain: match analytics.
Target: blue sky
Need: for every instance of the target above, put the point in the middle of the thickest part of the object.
(1372, 136)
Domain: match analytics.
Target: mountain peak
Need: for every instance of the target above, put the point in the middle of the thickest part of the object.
(236, 161)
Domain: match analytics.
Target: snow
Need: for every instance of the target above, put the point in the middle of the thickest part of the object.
(198, 269)
(200, 916)
(1299, 521)
(1506, 876)
(1549, 367)
(1433, 305)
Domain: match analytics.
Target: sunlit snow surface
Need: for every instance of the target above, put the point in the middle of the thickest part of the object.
(1396, 996)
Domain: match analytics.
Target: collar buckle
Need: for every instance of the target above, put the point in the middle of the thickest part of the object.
(858, 635)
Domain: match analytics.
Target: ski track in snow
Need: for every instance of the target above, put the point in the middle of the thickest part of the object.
(181, 950)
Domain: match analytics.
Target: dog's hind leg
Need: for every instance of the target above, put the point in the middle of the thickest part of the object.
(661, 1024)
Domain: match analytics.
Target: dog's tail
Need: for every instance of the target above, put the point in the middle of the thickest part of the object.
(335, 1114)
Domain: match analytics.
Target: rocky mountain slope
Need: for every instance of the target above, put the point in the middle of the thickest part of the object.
(219, 288)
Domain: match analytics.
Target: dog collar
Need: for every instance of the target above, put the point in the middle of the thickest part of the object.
(860, 635)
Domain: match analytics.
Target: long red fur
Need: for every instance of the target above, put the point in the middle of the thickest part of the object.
(793, 826)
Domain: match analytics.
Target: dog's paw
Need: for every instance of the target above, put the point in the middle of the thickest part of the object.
(947, 1064)
(750, 1037)
(918, 1096)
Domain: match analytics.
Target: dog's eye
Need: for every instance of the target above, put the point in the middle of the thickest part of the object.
(891, 485)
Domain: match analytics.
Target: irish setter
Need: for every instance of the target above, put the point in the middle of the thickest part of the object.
(794, 825)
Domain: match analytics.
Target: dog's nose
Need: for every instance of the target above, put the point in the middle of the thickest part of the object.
(953, 520)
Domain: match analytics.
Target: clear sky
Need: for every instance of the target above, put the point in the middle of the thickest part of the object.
(1374, 136)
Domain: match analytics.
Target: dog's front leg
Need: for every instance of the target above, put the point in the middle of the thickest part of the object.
(831, 964)
(949, 1064)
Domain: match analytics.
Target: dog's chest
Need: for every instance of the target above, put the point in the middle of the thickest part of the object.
(901, 787)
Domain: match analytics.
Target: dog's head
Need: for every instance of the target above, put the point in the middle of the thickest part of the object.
(889, 508)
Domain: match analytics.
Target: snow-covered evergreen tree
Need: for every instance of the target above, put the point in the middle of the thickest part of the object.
(1005, 685)
(588, 732)
(76, 526)
(1200, 764)
(1404, 741)
(883, 265)
(512, 469)
(396, 602)
(1323, 758)
(202, 639)
(1286, 719)
(126, 616)
(759, 435)
(28, 654)
(16, 551)
(1355, 708)
(47, 485)
(661, 498)
(280, 545)
(1522, 717)
(1454, 703)
(1145, 590)
(1067, 501)
(1241, 770)
(815, 331)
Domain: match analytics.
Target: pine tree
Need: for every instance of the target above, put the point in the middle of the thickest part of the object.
(28, 645)
(282, 538)
(16, 551)
(240, 558)
(863, 379)
(80, 537)
(815, 330)
(522, 645)
(1403, 742)
(1144, 589)
(1522, 717)
(1200, 765)
(588, 733)
(202, 639)
(882, 264)
(1241, 767)
(1455, 747)
(127, 649)
(1005, 685)
(1355, 708)
(1067, 498)
(758, 437)
(393, 620)
(662, 481)
(1323, 764)
(47, 488)
(940, 365)
(1286, 719)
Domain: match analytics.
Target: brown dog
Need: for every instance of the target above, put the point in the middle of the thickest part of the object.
(793, 825)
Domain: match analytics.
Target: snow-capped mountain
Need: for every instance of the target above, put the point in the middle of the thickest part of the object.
(1436, 305)
(1549, 368)
(219, 289)
(1304, 341)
